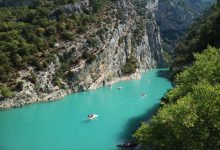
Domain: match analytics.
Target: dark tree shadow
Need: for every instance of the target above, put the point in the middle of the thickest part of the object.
(164, 74)
(134, 123)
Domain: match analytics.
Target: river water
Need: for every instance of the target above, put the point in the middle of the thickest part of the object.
(63, 125)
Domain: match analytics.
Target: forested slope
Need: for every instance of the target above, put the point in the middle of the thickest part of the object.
(189, 116)
(175, 17)
(51, 48)
(204, 32)
(30, 30)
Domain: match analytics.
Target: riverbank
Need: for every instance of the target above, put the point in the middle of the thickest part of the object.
(64, 123)
(28, 95)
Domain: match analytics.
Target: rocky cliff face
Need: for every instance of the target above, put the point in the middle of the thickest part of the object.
(174, 17)
(129, 33)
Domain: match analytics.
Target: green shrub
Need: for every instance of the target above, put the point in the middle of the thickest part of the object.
(3, 59)
(130, 66)
(91, 58)
(120, 41)
(57, 82)
(108, 21)
(3, 75)
(97, 5)
(68, 35)
(100, 31)
(85, 54)
(92, 42)
(36, 63)
(6, 91)
(51, 30)
(82, 29)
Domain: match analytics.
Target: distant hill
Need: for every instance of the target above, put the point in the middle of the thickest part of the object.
(174, 17)
(204, 32)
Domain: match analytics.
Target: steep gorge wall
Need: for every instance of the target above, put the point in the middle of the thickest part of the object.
(130, 35)
(174, 17)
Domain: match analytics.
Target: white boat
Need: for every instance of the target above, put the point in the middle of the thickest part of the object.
(143, 95)
(120, 88)
(92, 116)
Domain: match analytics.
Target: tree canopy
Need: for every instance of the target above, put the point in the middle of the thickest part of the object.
(30, 30)
(191, 118)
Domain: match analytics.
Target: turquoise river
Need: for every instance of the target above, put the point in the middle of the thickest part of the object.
(63, 125)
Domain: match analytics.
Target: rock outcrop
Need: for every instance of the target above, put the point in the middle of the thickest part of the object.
(174, 17)
(128, 34)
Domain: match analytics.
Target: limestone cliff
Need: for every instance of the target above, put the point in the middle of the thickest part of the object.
(130, 33)
(174, 17)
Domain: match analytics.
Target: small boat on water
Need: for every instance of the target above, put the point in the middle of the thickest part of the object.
(119, 88)
(130, 144)
(92, 116)
(143, 95)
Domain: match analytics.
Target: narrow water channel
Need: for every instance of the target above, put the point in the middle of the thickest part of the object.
(63, 125)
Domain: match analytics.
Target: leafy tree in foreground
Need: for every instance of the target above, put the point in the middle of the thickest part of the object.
(191, 120)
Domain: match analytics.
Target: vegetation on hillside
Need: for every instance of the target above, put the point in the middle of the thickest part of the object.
(130, 66)
(29, 33)
(189, 116)
(190, 120)
(204, 32)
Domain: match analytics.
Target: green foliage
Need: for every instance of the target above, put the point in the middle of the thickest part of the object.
(130, 66)
(139, 31)
(82, 29)
(91, 58)
(51, 30)
(206, 68)
(5, 91)
(68, 35)
(101, 31)
(191, 120)
(57, 82)
(36, 62)
(3, 59)
(167, 58)
(203, 33)
(5, 72)
(121, 40)
(85, 55)
(30, 29)
(97, 5)
(92, 42)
